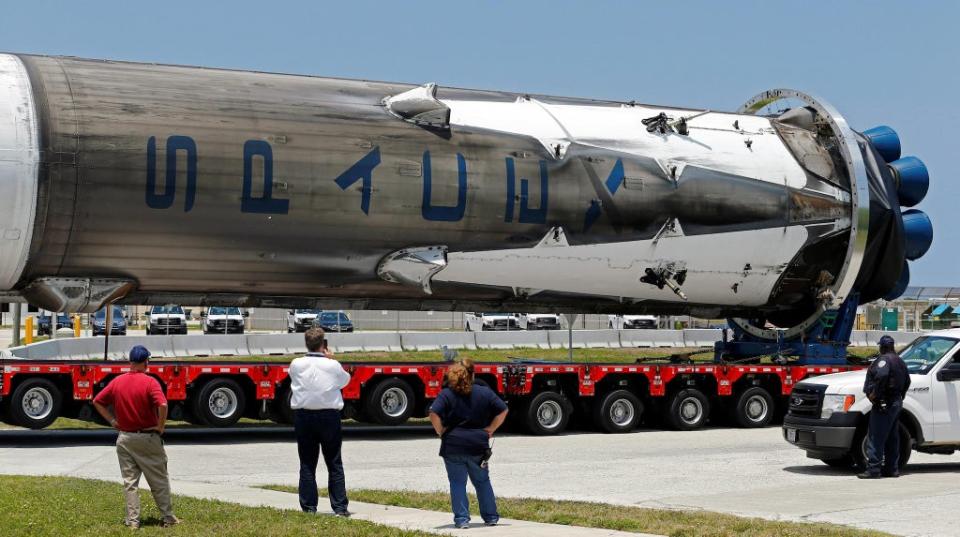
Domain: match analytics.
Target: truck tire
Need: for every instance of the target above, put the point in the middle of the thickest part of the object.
(548, 413)
(617, 412)
(35, 403)
(755, 408)
(390, 402)
(220, 403)
(858, 455)
(281, 411)
(687, 410)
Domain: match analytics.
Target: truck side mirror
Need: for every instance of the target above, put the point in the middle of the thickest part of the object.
(203, 314)
(949, 373)
(246, 314)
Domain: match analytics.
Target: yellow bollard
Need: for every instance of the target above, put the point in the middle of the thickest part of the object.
(28, 328)
(76, 326)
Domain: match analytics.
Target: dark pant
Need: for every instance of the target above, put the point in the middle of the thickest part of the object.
(320, 430)
(883, 445)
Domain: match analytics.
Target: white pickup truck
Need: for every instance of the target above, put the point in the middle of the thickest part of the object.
(223, 320)
(827, 415)
(168, 319)
(539, 321)
(627, 322)
(478, 322)
(301, 320)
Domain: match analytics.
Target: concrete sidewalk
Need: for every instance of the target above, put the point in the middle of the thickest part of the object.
(398, 517)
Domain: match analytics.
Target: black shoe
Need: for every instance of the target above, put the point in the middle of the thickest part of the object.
(890, 474)
(344, 514)
(868, 475)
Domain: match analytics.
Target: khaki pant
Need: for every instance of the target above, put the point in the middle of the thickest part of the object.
(143, 454)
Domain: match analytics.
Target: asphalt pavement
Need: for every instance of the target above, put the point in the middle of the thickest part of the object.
(737, 471)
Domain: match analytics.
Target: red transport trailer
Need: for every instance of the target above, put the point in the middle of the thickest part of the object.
(543, 396)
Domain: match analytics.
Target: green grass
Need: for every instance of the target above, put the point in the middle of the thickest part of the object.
(613, 517)
(58, 506)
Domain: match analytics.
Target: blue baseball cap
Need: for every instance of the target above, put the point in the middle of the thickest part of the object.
(139, 354)
(886, 341)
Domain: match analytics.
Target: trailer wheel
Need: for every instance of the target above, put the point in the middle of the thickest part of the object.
(858, 452)
(390, 402)
(220, 403)
(35, 403)
(547, 413)
(282, 413)
(755, 408)
(618, 412)
(688, 409)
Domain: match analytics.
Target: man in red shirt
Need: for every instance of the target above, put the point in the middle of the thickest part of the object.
(139, 412)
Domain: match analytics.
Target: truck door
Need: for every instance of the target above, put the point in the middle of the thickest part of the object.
(945, 391)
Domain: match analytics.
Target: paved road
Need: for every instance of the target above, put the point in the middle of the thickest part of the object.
(746, 472)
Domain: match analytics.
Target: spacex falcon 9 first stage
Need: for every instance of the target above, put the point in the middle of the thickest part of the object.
(146, 183)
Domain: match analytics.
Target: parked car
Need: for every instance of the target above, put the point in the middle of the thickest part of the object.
(628, 322)
(223, 320)
(333, 321)
(43, 322)
(300, 320)
(169, 319)
(98, 322)
(539, 321)
(828, 415)
(477, 322)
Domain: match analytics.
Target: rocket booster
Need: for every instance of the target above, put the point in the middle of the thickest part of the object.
(147, 183)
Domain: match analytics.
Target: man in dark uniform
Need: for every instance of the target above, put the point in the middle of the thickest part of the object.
(886, 386)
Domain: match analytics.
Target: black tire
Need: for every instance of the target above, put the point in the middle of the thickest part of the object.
(547, 413)
(281, 411)
(755, 408)
(35, 403)
(687, 410)
(219, 403)
(617, 412)
(858, 452)
(390, 402)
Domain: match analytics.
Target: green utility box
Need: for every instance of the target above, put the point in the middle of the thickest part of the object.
(890, 319)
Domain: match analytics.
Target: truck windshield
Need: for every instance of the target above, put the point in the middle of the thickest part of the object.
(223, 311)
(307, 312)
(172, 310)
(924, 353)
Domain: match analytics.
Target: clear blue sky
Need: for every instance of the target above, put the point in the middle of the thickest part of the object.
(895, 63)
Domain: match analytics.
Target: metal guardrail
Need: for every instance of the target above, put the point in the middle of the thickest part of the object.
(86, 348)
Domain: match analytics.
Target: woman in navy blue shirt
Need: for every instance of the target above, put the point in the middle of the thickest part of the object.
(466, 415)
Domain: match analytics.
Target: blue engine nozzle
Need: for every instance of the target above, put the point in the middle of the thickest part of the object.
(901, 286)
(918, 232)
(913, 180)
(885, 140)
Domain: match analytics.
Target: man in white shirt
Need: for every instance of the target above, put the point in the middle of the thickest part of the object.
(315, 383)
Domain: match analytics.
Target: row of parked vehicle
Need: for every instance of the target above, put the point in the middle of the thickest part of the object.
(300, 320)
(169, 319)
(478, 322)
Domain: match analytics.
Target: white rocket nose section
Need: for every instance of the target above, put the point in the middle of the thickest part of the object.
(19, 165)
